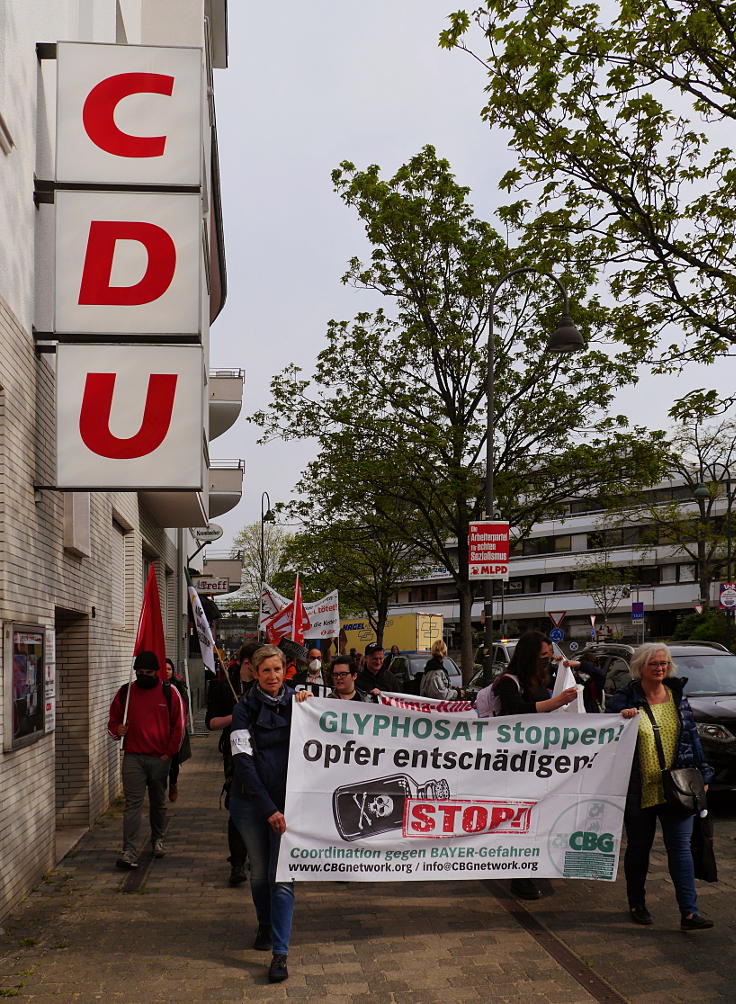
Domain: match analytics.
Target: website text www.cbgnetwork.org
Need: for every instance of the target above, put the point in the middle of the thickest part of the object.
(332, 860)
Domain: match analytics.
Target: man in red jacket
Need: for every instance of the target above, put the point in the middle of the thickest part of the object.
(152, 733)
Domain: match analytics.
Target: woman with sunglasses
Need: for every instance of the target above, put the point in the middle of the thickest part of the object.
(654, 683)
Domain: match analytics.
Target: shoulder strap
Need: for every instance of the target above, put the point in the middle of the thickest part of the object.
(657, 738)
(167, 693)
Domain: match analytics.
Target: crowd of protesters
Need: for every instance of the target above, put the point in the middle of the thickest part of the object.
(251, 704)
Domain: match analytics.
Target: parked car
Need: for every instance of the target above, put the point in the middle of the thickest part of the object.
(409, 666)
(502, 652)
(710, 671)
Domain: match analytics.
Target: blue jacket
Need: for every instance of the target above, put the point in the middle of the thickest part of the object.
(688, 751)
(259, 740)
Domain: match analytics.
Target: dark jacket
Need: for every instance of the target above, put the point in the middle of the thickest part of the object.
(221, 703)
(359, 695)
(384, 679)
(688, 751)
(259, 738)
(517, 702)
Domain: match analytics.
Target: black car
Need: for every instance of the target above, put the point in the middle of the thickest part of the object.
(409, 667)
(711, 691)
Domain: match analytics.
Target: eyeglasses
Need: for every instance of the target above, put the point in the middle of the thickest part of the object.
(340, 676)
(662, 664)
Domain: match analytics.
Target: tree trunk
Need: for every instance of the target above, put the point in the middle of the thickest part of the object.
(465, 596)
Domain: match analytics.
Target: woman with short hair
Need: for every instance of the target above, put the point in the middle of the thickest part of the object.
(654, 684)
(259, 740)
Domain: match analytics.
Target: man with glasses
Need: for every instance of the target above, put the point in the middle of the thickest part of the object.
(343, 681)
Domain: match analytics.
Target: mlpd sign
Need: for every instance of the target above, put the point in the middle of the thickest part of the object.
(488, 549)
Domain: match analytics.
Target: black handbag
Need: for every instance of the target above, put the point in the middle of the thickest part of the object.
(684, 789)
(704, 858)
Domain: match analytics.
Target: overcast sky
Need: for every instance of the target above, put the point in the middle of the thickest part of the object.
(309, 85)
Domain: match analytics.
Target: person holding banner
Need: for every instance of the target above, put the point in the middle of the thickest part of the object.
(344, 675)
(259, 740)
(654, 691)
(524, 690)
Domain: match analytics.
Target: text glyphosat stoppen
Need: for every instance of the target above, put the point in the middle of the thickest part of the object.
(500, 758)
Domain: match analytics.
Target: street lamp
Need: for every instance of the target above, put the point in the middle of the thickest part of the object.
(702, 493)
(565, 338)
(267, 516)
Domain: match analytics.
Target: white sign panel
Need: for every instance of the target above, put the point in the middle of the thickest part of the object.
(128, 114)
(127, 263)
(129, 417)
(387, 793)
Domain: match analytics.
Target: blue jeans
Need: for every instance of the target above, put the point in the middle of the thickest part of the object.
(274, 901)
(677, 831)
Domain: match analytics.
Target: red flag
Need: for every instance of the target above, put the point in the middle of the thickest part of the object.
(279, 625)
(150, 637)
(298, 615)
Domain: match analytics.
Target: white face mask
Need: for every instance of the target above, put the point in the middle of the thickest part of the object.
(315, 665)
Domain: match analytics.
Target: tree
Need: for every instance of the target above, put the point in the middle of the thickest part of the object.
(615, 111)
(364, 561)
(696, 525)
(248, 541)
(606, 582)
(397, 403)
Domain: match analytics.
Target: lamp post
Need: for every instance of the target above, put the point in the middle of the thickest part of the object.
(702, 494)
(267, 516)
(565, 338)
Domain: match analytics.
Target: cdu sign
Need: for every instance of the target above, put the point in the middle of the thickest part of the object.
(128, 252)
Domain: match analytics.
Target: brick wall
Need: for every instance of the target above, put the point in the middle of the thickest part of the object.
(67, 777)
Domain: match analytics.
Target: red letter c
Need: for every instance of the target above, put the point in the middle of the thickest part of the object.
(99, 111)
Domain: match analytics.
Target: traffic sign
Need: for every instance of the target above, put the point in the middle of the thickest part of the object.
(557, 634)
(557, 616)
(574, 646)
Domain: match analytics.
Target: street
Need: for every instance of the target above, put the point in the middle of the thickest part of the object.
(180, 933)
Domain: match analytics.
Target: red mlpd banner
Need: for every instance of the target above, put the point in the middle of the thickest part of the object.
(488, 550)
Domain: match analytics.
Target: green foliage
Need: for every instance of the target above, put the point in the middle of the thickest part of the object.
(605, 581)
(617, 113)
(248, 541)
(711, 625)
(397, 400)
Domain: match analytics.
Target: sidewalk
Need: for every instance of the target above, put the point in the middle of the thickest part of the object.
(185, 935)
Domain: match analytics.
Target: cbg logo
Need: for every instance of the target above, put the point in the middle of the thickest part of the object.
(585, 840)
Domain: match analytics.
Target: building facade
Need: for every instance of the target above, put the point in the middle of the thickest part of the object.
(73, 563)
(546, 573)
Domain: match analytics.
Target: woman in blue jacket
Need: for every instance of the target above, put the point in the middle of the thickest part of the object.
(259, 740)
(653, 683)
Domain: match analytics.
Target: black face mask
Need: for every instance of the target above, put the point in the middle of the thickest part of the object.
(146, 682)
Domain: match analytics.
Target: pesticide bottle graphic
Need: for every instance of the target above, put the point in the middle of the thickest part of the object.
(367, 808)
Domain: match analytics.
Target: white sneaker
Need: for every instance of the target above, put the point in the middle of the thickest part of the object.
(159, 851)
(127, 860)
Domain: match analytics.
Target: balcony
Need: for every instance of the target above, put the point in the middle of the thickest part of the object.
(226, 486)
(174, 509)
(225, 399)
(223, 565)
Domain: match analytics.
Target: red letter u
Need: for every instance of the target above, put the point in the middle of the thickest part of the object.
(94, 417)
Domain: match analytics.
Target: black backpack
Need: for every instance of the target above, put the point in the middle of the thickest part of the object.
(167, 694)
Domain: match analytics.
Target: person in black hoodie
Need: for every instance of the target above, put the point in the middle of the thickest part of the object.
(259, 741)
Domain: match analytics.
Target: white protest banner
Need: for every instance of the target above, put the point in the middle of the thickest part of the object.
(388, 793)
(427, 705)
(323, 614)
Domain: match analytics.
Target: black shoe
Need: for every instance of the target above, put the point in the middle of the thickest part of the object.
(263, 939)
(278, 972)
(127, 861)
(640, 915)
(237, 875)
(525, 888)
(695, 923)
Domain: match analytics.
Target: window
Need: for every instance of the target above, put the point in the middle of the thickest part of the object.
(668, 574)
(563, 543)
(686, 573)
(117, 574)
